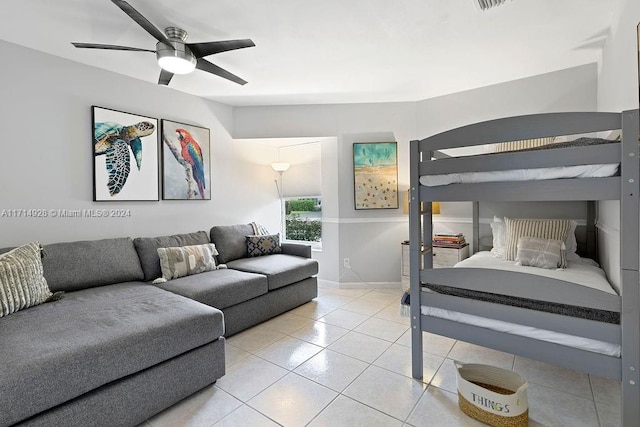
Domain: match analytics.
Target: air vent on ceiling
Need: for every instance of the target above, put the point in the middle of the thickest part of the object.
(487, 4)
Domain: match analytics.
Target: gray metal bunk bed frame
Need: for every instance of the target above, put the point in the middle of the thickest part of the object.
(625, 188)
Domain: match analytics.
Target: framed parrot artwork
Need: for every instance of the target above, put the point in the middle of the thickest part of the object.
(185, 162)
(125, 156)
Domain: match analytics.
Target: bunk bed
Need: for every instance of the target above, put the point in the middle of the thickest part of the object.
(463, 303)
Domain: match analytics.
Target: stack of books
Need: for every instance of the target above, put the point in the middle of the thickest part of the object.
(449, 240)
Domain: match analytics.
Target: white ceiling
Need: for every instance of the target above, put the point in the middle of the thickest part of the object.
(329, 51)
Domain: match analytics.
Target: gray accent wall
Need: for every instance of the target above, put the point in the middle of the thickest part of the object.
(47, 153)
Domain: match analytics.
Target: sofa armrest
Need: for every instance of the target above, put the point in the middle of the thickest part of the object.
(297, 249)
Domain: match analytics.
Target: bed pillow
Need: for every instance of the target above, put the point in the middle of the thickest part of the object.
(499, 238)
(556, 229)
(259, 245)
(22, 283)
(541, 253)
(571, 243)
(186, 260)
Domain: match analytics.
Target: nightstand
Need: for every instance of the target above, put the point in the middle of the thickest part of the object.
(448, 257)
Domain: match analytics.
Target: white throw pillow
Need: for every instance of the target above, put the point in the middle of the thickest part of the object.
(22, 283)
(498, 232)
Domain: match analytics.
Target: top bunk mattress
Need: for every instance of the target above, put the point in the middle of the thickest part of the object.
(580, 171)
(533, 174)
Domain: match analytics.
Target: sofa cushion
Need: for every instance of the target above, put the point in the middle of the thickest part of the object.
(219, 288)
(231, 241)
(57, 351)
(147, 248)
(281, 270)
(73, 266)
(22, 284)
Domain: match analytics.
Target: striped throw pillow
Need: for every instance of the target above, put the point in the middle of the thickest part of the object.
(22, 283)
(555, 229)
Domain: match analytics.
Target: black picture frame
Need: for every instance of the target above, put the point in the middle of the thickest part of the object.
(125, 156)
(375, 175)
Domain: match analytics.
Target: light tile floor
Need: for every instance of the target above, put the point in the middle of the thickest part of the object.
(344, 359)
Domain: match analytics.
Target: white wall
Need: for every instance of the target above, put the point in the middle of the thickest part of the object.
(617, 91)
(47, 154)
(371, 239)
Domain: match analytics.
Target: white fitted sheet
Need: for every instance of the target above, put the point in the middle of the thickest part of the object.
(582, 271)
(536, 174)
(525, 331)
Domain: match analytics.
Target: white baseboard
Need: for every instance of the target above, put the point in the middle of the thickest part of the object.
(359, 285)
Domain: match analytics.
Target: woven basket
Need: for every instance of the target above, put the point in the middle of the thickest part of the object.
(495, 396)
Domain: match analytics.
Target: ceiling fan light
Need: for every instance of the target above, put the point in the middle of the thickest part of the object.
(176, 60)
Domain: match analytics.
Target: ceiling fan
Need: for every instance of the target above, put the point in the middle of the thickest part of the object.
(173, 54)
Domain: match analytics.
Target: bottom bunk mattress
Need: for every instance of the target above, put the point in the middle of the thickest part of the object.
(581, 343)
(582, 271)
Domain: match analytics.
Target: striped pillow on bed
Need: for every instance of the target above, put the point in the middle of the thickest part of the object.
(556, 229)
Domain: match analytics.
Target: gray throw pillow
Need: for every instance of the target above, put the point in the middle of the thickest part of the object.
(542, 253)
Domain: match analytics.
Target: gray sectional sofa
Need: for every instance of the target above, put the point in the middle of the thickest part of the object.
(117, 349)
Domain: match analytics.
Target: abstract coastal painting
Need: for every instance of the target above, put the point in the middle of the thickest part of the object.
(185, 162)
(375, 170)
(125, 156)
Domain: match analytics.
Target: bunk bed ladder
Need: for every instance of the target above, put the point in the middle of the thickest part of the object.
(629, 263)
(416, 257)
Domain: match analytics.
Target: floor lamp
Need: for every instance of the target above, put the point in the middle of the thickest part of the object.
(280, 167)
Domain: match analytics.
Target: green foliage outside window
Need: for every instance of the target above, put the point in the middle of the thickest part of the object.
(300, 205)
(303, 229)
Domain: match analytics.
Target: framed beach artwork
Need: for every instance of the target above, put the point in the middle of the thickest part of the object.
(185, 162)
(125, 156)
(375, 175)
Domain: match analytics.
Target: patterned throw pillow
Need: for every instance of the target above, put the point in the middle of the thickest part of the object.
(259, 245)
(186, 260)
(542, 253)
(22, 283)
(556, 229)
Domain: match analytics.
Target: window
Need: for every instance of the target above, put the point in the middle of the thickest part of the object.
(303, 220)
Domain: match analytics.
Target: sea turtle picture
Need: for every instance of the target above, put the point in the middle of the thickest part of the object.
(114, 141)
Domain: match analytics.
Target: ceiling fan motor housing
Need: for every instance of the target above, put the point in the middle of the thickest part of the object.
(176, 58)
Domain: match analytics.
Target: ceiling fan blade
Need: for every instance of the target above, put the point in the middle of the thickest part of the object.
(207, 66)
(142, 21)
(200, 50)
(110, 47)
(165, 77)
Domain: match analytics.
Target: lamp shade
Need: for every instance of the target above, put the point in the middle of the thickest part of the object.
(280, 166)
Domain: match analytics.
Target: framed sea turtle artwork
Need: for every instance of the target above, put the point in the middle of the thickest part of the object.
(375, 175)
(125, 156)
(186, 161)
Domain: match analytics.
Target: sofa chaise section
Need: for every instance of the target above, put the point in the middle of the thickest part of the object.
(113, 349)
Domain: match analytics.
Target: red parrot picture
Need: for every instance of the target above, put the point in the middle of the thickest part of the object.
(185, 161)
(192, 153)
